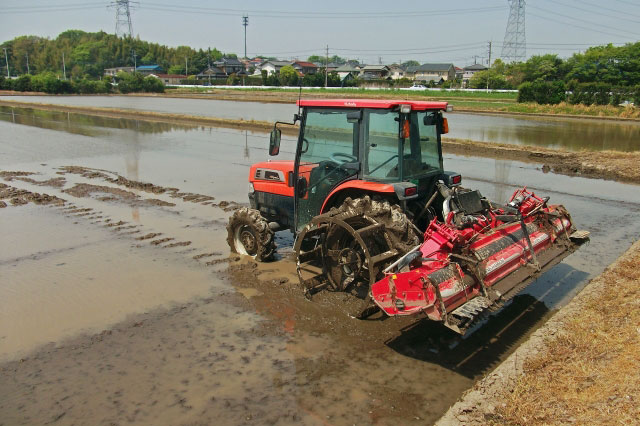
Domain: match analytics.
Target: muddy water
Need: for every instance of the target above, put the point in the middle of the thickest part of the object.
(566, 133)
(194, 336)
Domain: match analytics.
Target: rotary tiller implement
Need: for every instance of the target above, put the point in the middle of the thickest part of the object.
(482, 254)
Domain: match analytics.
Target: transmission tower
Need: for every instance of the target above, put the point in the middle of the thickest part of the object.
(514, 48)
(123, 16)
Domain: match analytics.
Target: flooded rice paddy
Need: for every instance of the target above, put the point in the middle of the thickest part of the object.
(572, 134)
(123, 305)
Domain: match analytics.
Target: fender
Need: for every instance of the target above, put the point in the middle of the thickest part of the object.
(377, 187)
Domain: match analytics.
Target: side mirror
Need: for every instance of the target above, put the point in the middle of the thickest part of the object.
(274, 141)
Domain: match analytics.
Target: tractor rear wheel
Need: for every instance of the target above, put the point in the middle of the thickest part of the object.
(248, 233)
(353, 243)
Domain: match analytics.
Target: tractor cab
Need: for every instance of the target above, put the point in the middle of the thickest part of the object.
(353, 148)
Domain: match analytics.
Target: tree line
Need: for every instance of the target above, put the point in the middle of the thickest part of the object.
(601, 75)
(84, 55)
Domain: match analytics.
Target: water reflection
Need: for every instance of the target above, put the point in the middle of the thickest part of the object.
(82, 124)
(572, 134)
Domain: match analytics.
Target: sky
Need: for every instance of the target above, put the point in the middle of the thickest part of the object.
(371, 31)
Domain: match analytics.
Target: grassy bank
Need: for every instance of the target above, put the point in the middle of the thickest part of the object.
(587, 372)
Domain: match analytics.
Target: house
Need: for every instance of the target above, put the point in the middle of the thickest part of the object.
(169, 79)
(346, 70)
(305, 67)
(396, 72)
(410, 71)
(459, 73)
(273, 67)
(111, 72)
(149, 69)
(435, 72)
(374, 72)
(211, 73)
(230, 65)
(470, 71)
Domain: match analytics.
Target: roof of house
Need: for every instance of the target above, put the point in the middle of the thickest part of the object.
(375, 68)
(347, 68)
(434, 67)
(276, 63)
(229, 61)
(169, 75)
(148, 68)
(211, 71)
(475, 67)
(305, 64)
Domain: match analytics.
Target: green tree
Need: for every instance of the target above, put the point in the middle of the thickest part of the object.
(288, 76)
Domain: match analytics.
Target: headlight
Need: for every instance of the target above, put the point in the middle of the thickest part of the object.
(251, 189)
(405, 108)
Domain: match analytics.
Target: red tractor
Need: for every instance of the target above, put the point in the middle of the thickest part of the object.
(374, 212)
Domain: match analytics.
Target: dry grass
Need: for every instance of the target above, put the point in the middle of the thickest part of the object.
(588, 372)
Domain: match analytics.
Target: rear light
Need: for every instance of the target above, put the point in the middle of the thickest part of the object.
(456, 180)
(412, 190)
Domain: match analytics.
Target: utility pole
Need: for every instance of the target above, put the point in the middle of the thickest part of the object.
(64, 67)
(186, 66)
(489, 64)
(245, 22)
(135, 60)
(28, 72)
(6, 58)
(326, 69)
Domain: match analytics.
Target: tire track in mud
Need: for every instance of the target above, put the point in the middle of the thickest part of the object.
(110, 194)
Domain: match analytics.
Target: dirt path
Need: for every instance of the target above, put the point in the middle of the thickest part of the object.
(580, 367)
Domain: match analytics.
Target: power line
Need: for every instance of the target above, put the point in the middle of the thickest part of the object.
(315, 15)
(576, 19)
(599, 11)
(546, 18)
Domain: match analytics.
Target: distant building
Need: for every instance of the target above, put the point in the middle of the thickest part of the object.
(273, 67)
(230, 65)
(435, 72)
(169, 79)
(459, 73)
(305, 67)
(396, 72)
(348, 71)
(470, 71)
(111, 72)
(149, 69)
(375, 72)
(211, 73)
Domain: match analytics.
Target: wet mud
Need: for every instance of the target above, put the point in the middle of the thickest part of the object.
(118, 310)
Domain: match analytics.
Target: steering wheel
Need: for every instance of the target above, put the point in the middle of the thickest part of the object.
(346, 158)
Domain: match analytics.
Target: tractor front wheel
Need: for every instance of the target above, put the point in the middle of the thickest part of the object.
(248, 233)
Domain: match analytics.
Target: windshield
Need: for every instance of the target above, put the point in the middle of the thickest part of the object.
(384, 150)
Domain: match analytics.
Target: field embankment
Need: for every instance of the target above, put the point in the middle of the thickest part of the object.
(581, 367)
(613, 165)
(478, 102)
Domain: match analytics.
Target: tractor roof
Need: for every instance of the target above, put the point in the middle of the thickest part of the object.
(372, 103)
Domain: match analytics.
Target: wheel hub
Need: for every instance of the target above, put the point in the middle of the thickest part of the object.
(248, 240)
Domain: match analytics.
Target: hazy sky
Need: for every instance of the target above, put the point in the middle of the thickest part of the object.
(431, 31)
